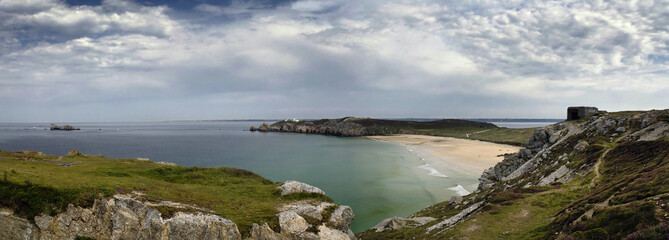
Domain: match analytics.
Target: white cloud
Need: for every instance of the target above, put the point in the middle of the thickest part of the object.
(208, 8)
(525, 50)
(67, 22)
(316, 5)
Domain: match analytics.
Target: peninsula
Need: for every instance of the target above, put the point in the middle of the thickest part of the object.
(355, 127)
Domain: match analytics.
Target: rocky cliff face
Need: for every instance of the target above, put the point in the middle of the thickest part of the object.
(336, 127)
(125, 217)
(547, 143)
(537, 148)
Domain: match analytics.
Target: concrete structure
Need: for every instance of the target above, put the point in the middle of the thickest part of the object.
(575, 113)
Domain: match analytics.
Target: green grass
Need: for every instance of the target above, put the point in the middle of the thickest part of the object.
(617, 222)
(239, 195)
(510, 136)
(633, 173)
(522, 218)
(524, 213)
(624, 113)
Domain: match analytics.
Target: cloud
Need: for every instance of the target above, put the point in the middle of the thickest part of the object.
(395, 56)
(56, 21)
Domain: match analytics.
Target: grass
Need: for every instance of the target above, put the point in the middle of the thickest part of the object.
(619, 221)
(624, 113)
(632, 174)
(34, 187)
(521, 218)
(510, 136)
(523, 213)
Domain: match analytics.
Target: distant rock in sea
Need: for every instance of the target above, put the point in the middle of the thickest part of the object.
(63, 127)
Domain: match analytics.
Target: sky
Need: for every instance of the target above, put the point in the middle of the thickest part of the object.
(145, 60)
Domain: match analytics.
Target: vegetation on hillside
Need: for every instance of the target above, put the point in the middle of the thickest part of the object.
(620, 190)
(33, 183)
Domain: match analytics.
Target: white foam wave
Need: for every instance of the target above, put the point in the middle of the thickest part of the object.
(460, 190)
(433, 172)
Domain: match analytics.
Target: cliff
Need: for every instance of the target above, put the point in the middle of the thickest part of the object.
(352, 127)
(605, 177)
(82, 196)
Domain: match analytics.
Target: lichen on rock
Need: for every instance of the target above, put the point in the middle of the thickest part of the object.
(290, 187)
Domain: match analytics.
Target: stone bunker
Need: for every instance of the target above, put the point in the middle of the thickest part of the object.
(575, 113)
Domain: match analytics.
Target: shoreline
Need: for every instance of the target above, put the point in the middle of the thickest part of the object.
(451, 157)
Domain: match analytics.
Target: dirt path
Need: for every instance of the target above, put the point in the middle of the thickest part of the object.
(63, 164)
(599, 160)
(597, 164)
(468, 134)
(598, 175)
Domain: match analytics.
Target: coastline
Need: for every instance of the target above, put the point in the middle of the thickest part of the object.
(452, 157)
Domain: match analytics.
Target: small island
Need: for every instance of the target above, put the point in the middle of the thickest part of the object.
(55, 127)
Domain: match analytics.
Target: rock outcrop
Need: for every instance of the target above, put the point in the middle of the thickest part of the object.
(121, 218)
(456, 218)
(298, 220)
(394, 223)
(124, 217)
(297, 187)
(526, 159)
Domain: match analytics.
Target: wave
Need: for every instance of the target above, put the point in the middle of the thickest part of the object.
(460, 190)
(433, 172)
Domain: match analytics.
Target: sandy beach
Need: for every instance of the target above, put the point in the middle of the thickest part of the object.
(468, 157)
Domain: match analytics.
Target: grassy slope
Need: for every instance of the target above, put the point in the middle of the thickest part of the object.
(34, 187)
(638, 208)
(511, 136)
(513, 214)
(634, 176)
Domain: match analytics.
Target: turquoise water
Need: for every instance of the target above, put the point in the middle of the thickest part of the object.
(377, 179)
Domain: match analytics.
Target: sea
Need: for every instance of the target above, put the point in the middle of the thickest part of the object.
(377, 179)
